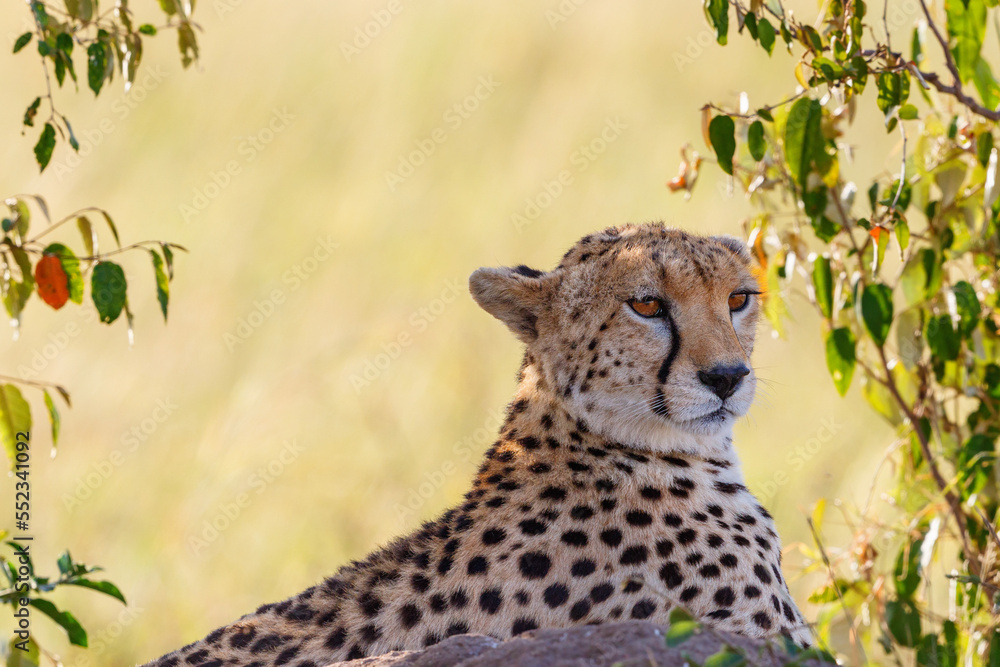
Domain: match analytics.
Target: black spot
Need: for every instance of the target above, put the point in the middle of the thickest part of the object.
(477, 565)
(522, 598)
(687, 536)
(336, 639)
(532, 527)
(494, 536)
(729, 487)
(715, 511)
(490, 600)
(355, 653)
(528, 272)
(634, 555)
(632, 587)
(579, 610)
(709, 571)
(728, 560)
(267, 643)
(674, 461)
(555, 595)
(751, 592)
(459, 599)
(583, 568)
(762, 573)
(651, 493)
(672, 520)
(725, 597)
(693, 559)
(496, 502)
(601, 592)
(432, 638)
(597, 451)
(244, 636)
(370, 633)
(720, 614)
(714, 540)
(420, 583)
(762, 620)
(638, 518)
(539, 468)
(458, 628)
(438, 604)
(612, 537)
(576, 466)
(678, 492)
(748, 519)
(643, 608)
(370, 605)
(522, 625)
(608, 504)
(671, 575)
(742, 541)
(508, 486)
(575, 538)
(581, 513)
(690, 593)
(530, 442)
(534, 565)
(605, 485)
(301, 613)
(445, 564)
(553, 493)
(664, 548)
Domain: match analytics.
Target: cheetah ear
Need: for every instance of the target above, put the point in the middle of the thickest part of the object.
(514, 295)
(737, 246)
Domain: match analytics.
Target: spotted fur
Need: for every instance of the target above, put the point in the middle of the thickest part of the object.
(613, 491)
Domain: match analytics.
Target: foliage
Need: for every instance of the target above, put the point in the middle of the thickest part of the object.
(903, 272)
(57, 274)
(108, 41)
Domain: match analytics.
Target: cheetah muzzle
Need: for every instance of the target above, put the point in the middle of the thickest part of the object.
(613, 491)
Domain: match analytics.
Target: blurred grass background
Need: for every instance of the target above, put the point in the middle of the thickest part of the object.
(133, 487)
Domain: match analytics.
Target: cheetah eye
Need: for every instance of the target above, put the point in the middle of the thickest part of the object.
(738, 301)
(647, 307)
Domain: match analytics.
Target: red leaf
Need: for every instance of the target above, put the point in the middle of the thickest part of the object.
(53, 285)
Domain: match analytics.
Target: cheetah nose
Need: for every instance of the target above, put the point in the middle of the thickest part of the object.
(723, 380)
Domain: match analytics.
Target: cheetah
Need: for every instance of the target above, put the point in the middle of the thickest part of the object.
(613, 491)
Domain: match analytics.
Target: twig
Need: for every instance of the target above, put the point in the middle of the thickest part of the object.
(856, 640)
(902, 169)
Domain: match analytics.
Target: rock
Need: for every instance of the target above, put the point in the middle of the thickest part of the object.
(629, 644)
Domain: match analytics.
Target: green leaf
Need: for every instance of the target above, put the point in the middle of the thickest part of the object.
(718, 17)
(984, 145)
(750, 22)
(830, 70)
(108, 287)
(678, 633)
(986, 84)
(97, 65)
(188, 44)
(162, 284)
(65, 563)
(111, 225)
(77, 635)
(907, 571)
(22, 41)
(31, 112)
(46, 144)
(71, 266)
(15, 417)
(966, 30)
(168, 255)
(803, 138)
(765, 35)
(908, 112)
(917, 47)
(893, 89)
(876, 311)
(823, 282)
(722, 133)
(168, 6)
(942, 338)
(147, 29)
(976, 461)
(105, 587)
(18, 658)
(967, 305)
(841, 357)
(902, 230)
(54, 419)
(725, 657)
(922, 275)
(755, 140)
(87, 232)
(904, 622)
(994, 657)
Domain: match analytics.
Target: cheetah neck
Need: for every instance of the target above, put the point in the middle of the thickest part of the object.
(536, 408)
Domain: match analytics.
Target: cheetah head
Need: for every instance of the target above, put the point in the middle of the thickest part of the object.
(644, 331)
